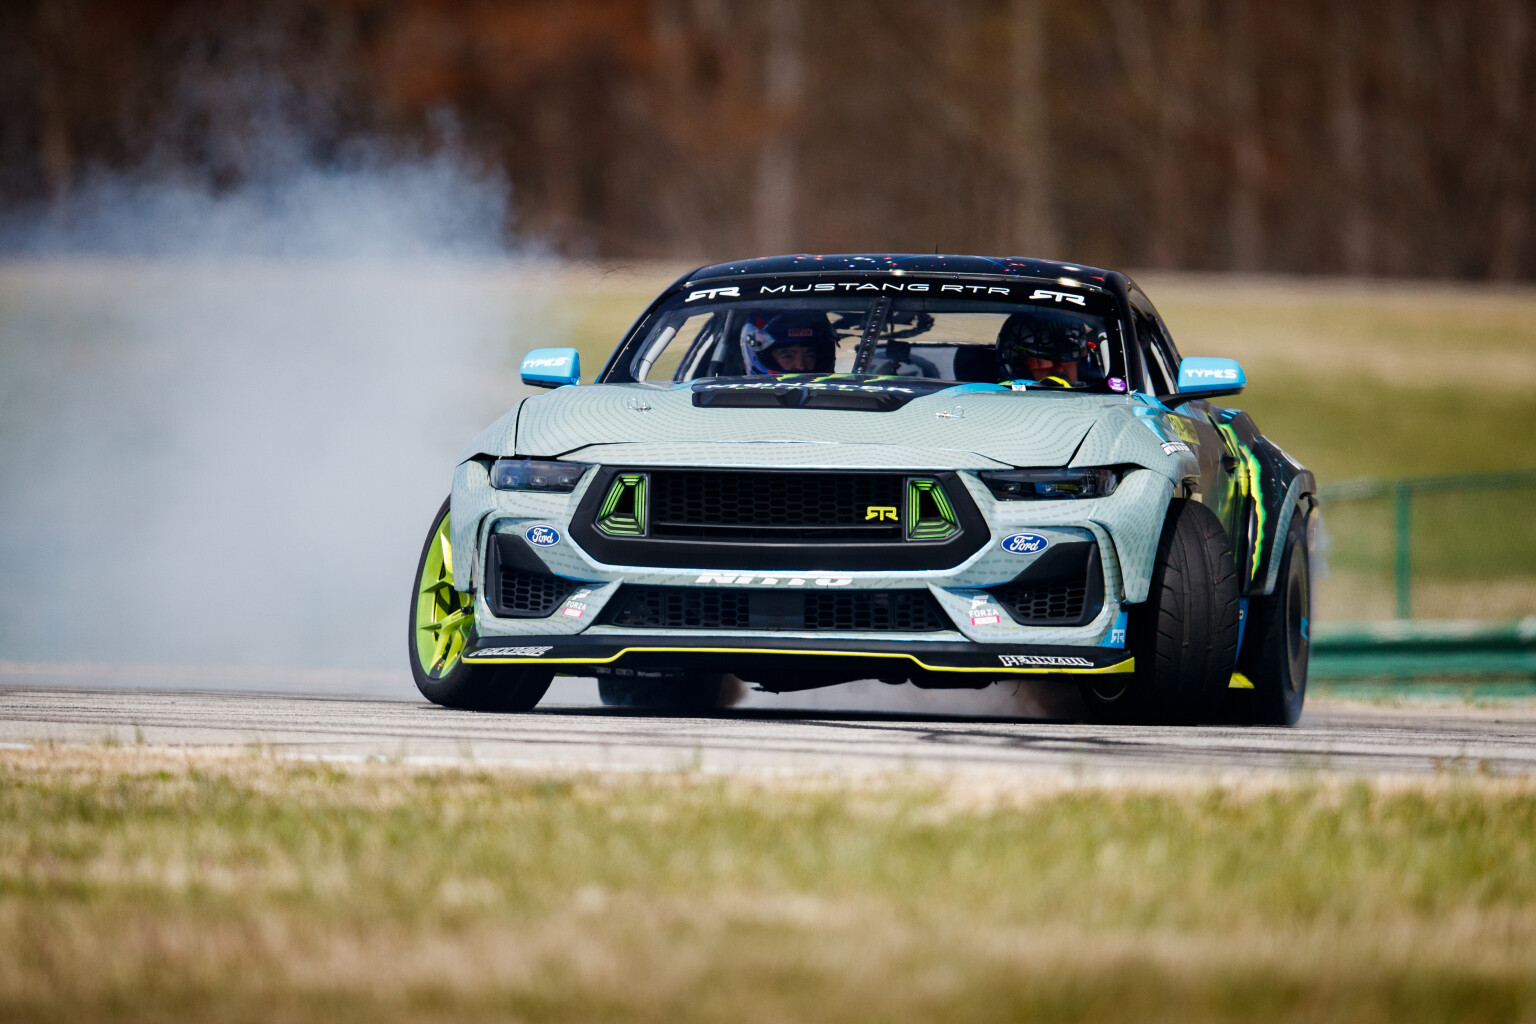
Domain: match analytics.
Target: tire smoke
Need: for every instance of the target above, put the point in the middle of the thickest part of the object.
(227, 415)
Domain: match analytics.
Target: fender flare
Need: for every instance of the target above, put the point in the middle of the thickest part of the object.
(1301, 490)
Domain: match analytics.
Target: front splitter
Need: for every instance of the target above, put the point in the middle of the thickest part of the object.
(865, 658)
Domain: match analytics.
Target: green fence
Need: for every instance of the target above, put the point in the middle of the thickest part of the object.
(1428, 577)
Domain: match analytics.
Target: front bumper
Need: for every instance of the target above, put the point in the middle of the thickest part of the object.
(791, 663)
(1124, 526)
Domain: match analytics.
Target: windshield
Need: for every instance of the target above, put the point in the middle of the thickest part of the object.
(949, 339)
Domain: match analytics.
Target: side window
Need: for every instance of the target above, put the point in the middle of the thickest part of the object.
(1165, 342)
(1149, 340)
(667, 353)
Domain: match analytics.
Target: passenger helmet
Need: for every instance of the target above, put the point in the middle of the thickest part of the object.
(1029, 334)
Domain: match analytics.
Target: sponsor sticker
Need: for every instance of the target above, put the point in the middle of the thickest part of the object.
(986, 620)
(510, 652)
(573, 611)
(1042, 661)
(1117, 385)
(885, 286)
(542, 536)
(1025, 543)
(1115, 637)
(1176, 447)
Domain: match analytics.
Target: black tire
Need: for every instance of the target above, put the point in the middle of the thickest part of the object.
(1276, 642)
(1184, 636)
(462, 685)
(686, 691)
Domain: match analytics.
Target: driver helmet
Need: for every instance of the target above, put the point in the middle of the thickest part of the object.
(763, 333)
(1026, 335)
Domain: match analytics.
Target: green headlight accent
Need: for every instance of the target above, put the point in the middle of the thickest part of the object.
(443, 615)
(930, 516)
(622, 513)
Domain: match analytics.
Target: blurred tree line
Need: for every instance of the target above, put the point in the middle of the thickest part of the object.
(1392, 137)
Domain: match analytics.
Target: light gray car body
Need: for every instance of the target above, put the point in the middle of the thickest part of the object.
(1165, 450)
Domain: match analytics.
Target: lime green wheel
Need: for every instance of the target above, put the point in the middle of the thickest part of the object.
(443, 624)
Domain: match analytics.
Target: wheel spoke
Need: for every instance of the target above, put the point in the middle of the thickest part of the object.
(449, 631)
(436, 586)
(444, 616)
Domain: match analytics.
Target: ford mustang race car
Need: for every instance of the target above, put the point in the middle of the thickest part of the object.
(948, 470)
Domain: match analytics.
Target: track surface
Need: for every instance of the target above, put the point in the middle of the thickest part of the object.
(1338, 738)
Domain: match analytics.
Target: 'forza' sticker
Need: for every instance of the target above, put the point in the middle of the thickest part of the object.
(1042, 661)
(510, 652)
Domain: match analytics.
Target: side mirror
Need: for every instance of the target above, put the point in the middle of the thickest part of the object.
(1207, 377)
(551, 367)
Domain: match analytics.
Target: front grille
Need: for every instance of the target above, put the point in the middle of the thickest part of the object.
(1049, 601)
(750, 505)
(683, 608)
(532, 595)
(902, 611)
(778, 519)
(896, 611)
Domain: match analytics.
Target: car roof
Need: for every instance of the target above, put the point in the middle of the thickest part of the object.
(809, 263)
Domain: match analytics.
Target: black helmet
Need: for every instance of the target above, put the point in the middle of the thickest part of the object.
(1030, 334)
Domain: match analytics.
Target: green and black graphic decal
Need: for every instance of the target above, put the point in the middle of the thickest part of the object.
(929, 513)
(623, 510)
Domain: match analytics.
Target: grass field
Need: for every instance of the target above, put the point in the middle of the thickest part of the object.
(140, 884)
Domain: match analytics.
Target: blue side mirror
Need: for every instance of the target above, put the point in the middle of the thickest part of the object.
(1207, 377)
(551, 367)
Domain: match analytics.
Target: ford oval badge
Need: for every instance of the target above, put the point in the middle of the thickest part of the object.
(542, 536)
(1025, 543)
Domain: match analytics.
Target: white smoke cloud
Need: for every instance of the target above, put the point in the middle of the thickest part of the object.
(227, 416)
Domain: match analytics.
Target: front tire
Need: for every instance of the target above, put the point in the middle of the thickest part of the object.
(1277, 643)
(1184, 636)
(442, 625)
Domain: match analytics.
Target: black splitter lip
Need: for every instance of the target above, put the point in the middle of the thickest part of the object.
(568, 654)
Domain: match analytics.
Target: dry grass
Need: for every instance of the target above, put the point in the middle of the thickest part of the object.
(142, 884)
(1411, 334)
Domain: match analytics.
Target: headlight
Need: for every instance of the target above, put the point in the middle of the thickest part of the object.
(534, 475)
(1017, 484)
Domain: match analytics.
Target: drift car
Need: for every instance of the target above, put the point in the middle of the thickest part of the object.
(948, 470)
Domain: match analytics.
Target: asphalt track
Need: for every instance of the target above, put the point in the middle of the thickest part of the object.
(1333, 738)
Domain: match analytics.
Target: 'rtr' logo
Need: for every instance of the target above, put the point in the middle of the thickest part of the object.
(1076, 300)
(709, 293)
